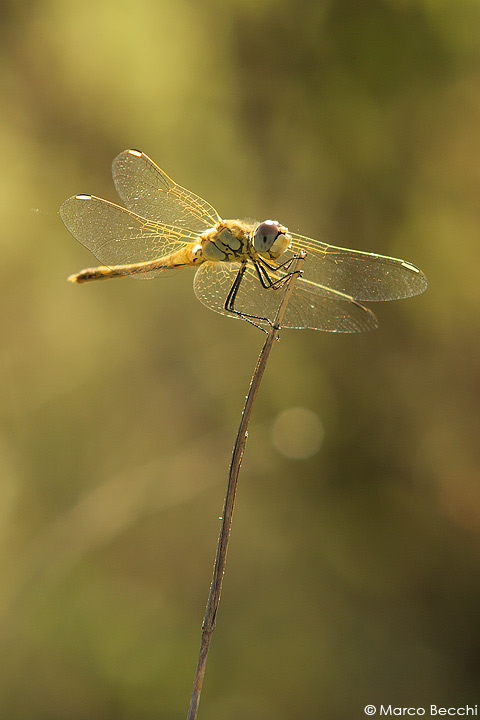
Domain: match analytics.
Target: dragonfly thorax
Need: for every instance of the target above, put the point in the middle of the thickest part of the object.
(233, 240)
(227, 241)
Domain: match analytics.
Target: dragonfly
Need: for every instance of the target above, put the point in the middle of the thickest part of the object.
(241, 265)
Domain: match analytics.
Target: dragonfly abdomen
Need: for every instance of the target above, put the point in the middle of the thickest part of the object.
(187, 256)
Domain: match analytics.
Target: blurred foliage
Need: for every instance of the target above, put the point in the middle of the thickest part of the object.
(353, 575)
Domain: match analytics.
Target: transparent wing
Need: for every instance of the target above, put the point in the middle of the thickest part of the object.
(148, 191)
(117, 236)
(310, 306)
(362, 275)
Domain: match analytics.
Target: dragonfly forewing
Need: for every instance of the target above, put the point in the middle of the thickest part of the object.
(148, 191)
(363, 276)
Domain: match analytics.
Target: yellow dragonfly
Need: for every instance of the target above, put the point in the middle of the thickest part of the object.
(241, 265)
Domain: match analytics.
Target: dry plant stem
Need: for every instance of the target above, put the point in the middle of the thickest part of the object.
(219, 568)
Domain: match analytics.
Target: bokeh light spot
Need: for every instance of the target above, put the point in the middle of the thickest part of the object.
(298, 433)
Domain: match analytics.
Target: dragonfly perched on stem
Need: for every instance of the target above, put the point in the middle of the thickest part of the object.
(241, 265)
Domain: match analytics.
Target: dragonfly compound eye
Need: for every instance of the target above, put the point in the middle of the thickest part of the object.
(271, 239)
(265, 235)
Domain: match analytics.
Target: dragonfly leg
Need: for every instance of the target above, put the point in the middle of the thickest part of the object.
(230, 302)
(266, 281)
(281, 266)
(260, 266)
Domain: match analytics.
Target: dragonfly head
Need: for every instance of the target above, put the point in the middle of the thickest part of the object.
(271, 239)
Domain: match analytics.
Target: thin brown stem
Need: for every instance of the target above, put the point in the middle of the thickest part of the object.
(219, 568)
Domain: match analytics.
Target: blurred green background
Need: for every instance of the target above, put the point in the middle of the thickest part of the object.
(353, 573)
